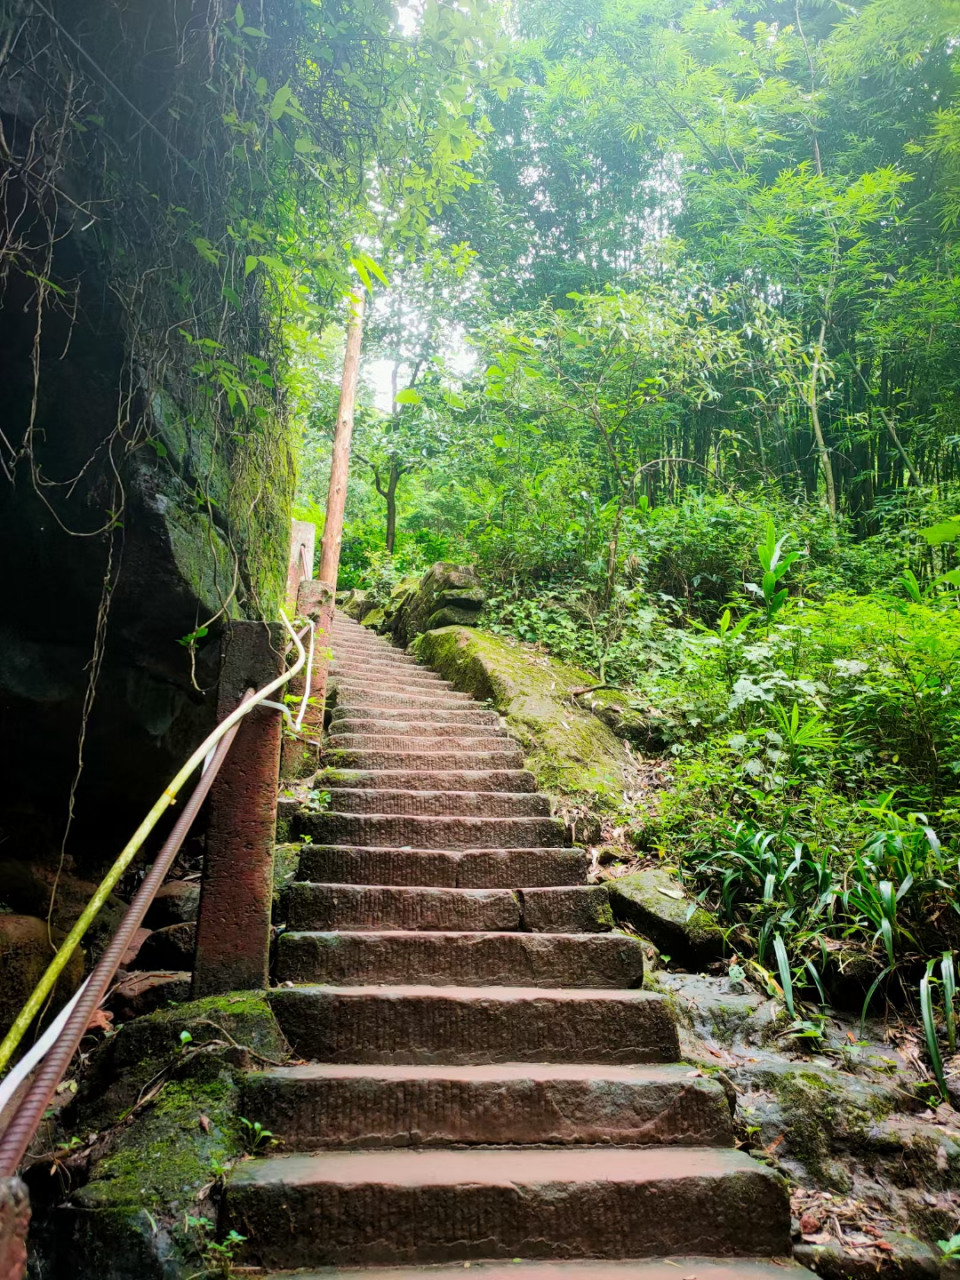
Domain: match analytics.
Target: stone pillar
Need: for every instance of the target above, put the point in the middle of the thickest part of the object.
(233, 927)
(303, 535)
(14, 1221)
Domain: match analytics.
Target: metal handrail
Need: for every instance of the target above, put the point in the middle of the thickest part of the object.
(20, 1131)
(26, 1120)
(129, 852)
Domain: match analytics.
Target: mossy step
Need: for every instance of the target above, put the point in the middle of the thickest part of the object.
(431, 831)
(577, 909)
(462, 1025)
(428, 779)
(473, 958)
(465, 714)
(585, 1269)
(464, 804)
(510, 1103)
(477, 740)
(416, 727)
(462, 868)
(425, 761)
(418, 1206)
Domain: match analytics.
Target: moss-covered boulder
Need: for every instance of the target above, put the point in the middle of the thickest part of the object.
(355, 604)
(629, 718)
(163, 1097)
(654, 904)
(569, 750)
(446, 595)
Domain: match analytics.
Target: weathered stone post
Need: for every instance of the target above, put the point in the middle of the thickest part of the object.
(233, 928)
(303, 542)
(14, 1221)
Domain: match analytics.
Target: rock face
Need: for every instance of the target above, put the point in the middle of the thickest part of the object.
(447, 595)
(875, 1170)
(177, 902)
(652, 902)
(569, 750)
(126, 1215)
(120, 429)
(25, 952)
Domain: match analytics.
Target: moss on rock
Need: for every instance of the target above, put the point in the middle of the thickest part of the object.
(166, 1093)
(653, 903)
(568, 749)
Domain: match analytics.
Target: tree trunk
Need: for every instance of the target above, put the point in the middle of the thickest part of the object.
(391, 497)
(814, 406)
(340, 462)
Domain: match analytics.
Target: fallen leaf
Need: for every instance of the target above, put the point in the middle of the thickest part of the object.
(100, 1020)
(885, 1246)
(204, 1123)
(809, 1224)
(670, 893)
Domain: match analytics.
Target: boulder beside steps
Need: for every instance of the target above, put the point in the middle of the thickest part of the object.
(485, 1082)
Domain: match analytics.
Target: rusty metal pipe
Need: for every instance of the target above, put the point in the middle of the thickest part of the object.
(26, 1120)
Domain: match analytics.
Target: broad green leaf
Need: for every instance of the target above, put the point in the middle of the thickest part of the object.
(279, 103)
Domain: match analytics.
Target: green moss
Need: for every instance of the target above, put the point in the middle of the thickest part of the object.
(161, 1162)
(156, 1160)
(569, 751)
(646, 899)
(286, 858)
(373, 619)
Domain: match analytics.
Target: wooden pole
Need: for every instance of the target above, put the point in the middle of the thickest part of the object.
(337, 495)
(340, 462)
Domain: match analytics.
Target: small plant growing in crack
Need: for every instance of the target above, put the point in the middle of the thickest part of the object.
(256, 1137)
(216, 1255)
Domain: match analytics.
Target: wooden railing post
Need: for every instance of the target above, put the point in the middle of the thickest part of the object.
(233, 928)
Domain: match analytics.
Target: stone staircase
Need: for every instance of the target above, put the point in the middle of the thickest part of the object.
(487, 1080)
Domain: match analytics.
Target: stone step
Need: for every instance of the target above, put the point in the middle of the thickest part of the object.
(419, 728)
(394, 684)
(395, 831)
(391, 659)
(377, 907)
(582, 909)
(456, 1026)
(385, 1106)
(675, 1268)
(384, 715)
(577, 909)
(466, 804)
(412, 742)
(401, 1206)
(388, 670)
(472, 959)
(427, 761)
(487, 780)
(462, 868)
(370, 696)
(358, 670)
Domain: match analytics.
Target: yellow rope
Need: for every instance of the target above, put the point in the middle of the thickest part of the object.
(109, 882)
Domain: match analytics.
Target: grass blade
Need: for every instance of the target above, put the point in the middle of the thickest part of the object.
(949, 975)
(930, 1030)
(786, 978)
(870, 994)
(812, 970)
